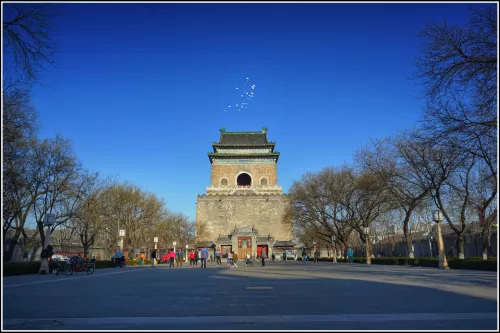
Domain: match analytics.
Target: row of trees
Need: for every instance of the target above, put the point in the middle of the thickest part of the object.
(42, 176)
(449, 162)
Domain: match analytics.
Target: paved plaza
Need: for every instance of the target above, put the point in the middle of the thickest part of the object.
(279, 296)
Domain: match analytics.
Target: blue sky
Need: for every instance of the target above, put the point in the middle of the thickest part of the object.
(141, 89)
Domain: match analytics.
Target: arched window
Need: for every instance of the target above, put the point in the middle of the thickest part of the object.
(223, 182)
(263, 181)
(244, 180)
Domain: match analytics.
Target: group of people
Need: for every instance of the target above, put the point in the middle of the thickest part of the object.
(177, 258)
(305, 257)
(194, 256)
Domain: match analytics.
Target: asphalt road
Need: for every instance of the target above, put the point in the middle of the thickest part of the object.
(280, 296)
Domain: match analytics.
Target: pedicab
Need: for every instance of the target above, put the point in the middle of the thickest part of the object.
(56, 265)
(78, 264)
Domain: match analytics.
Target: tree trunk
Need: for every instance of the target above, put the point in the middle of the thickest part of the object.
(34, 251)
(85, 250)
(368, 244)
(461, 244)
(409, 242)
(13, 242)
(486, 245)
(443, 264)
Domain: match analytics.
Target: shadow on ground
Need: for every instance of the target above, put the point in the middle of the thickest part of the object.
(142, 294)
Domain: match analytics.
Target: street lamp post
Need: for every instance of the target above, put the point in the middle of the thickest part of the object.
(187, 246)
(155, 239)
(429, 238)
(438, 217)
(121, 233)
(174, 244)
(49, 221)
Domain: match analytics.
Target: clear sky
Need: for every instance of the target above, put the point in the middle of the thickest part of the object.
(141, 89)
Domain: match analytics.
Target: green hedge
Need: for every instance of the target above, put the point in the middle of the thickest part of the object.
(129, 263)
(476, 263)
(24, 268)
(21, 268)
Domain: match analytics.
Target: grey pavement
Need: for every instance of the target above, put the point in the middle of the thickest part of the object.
(279, 296)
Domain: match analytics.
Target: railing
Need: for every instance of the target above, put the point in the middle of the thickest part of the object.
(258, 187)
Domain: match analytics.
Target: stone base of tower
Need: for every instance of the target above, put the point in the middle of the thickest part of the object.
(219, 216)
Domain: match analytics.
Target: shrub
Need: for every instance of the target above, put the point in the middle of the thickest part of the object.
(473, 263)
(21, 268)
(476, 263)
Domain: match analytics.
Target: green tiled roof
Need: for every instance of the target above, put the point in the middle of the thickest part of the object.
(243, 138)
(243, 154)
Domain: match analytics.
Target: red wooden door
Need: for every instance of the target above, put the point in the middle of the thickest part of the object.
(259, 250)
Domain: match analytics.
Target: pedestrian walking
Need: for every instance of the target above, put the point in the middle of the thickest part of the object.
(153, 258)
(196, 257)
(119, 258)
(141, 259)
(350, 255)
(171, 256)
(191, 258)
(263, 255)
(248, 262)
(234, 260)
(217, 257)
(204, 257)
(304, 255)
(229, 258)
(316, 256)
(180, 258)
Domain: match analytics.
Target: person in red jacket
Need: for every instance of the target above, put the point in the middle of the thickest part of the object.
(191, 258)
(172, 257)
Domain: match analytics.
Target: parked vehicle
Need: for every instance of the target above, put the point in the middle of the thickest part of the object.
(289, 255)
(56, 265)
(60, 257)
(77, 264)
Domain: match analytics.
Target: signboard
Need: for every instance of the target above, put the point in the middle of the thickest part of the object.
(245, 242)
(50, 219)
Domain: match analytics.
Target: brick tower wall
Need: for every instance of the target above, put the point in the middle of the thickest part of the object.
(231, 171)
(221, 213)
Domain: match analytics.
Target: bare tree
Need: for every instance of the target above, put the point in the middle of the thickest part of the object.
(482, 197)
(19, 133)
(459, 68)
(399, 162)
(457, 62)
(27, 33)
(449, 172)
(373, 198)
(86, 220)
(57, 182)
(46, 184)
(127, 207)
